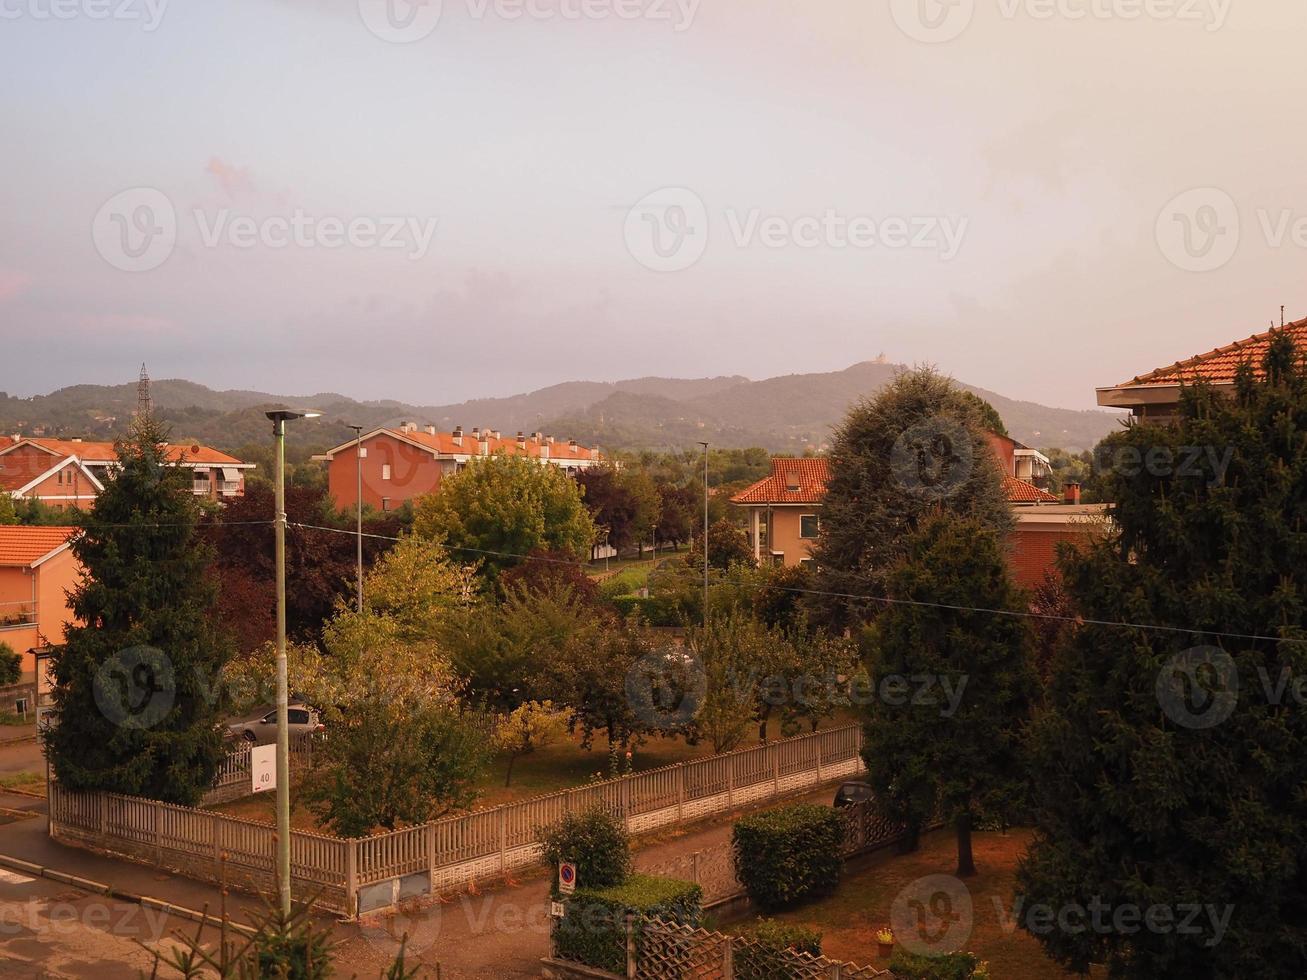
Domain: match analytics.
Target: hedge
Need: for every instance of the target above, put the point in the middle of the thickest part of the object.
(593, 930)
(653, 610)
(952, 966)
(770, 955)
(789, 854)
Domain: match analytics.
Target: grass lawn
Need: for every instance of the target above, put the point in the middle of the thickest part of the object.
(546, 770)
(28, 782)
(849, 918)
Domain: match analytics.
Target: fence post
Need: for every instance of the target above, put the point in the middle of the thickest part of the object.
(103, 800)
(431, 858)
(776, 769)
(158, 834)
(503, 840)
(215, 832)
(631, 962)
(680, 792)
(352, 877)
(728, 959)
(694, 867)
(820, 739)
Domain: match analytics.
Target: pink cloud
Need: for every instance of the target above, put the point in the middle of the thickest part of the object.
(233, 180)
(124, 323)
(12, 282)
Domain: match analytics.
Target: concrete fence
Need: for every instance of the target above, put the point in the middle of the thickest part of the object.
(352, 876)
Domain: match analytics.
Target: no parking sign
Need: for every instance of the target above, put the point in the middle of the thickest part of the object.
(566, 878)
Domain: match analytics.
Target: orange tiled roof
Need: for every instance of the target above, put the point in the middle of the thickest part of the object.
(810, 476)
(20, 546)
(443, 443)
(1020, 492)
(17, 472)
(99, 452)
(1219, 366)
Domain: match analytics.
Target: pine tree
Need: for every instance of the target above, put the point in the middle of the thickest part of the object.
(1170, 766)
(952, 686)
(137, 683)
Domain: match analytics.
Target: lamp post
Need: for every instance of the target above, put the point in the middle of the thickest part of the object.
(705, 532)
(358, 459)
(279, 419)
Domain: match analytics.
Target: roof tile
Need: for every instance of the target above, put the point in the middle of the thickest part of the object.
(21, 545)
(1219, 366)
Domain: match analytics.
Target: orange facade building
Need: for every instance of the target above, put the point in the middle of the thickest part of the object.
(37, 571)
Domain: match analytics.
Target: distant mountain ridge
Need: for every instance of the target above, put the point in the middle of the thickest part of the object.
(790, 413)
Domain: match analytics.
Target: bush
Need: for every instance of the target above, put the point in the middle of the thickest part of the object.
(593, 931)
(786, 855)
(951, 966)
(595, 840)
(654, 611)
(787, 935)
(771, 954)
(11, 665)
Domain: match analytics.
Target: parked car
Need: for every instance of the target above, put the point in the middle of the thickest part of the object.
(851, 793)
(262, 729)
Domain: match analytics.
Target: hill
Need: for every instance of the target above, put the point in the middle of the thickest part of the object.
(783, 414)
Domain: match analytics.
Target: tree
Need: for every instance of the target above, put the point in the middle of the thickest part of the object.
(502, 508)
(896, 459)
(528, 727)
(952, 748)
(393, 762)
(136, 685)
(625, 502)
(592, 678)
(11, 665)
(1168, 766)
(735, 653)
(549, 571)
(678, 506)
(987, 413)
(8, 515)
(727, 546)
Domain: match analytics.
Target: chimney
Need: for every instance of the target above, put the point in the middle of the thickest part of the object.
(521, 440)
(495, 433)
(458, 435)
(548, 439)
(1071, 493)
(17, 437)
(431, 430)
(537, 436)
(792, 480)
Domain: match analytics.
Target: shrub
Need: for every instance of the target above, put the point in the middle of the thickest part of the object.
(593, 931)
(787, 935)
(11, 665)
(595, 840)
(771, 954)
(786, 855)
(906, 965)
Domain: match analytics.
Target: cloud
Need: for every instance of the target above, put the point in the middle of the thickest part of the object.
(12, 283)
(124, 323)
(233, 180)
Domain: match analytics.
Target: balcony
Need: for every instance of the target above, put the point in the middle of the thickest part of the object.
(17, 615)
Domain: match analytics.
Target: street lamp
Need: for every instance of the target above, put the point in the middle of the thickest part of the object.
(279, 419)
(358, 457)
(705, 532)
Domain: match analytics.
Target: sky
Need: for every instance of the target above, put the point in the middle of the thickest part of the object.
(473, 198)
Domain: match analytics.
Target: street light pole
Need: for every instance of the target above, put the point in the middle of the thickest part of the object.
(705, 532)
(279, 419)
(358, 458)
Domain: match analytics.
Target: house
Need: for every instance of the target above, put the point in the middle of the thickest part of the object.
(68, 474)
(785, 511)
(1156, 395)
(403, 464)
(37, 570)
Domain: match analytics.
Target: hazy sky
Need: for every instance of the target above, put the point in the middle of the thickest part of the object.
(360, 196)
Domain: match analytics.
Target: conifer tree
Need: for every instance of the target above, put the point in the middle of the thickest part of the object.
(1171, 766)
(136, 680)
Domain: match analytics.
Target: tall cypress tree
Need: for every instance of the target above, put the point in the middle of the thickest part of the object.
(1171, 768)
(136, 685)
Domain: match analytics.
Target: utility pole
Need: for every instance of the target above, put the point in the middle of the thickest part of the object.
(705, 532)
(358, 458)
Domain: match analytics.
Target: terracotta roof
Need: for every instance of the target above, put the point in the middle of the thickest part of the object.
(99, 452)
(21, 546)
(443, 443)
(809, 476)
(1021, 492)
(17, 472)
(1219, 366)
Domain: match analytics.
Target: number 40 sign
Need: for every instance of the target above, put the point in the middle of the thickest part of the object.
(263, 768)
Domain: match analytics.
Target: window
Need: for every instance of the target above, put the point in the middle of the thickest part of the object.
(297, 716)
(385, 503)
(385, 471)
(808, 526)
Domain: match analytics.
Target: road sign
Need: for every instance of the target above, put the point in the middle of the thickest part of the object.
(566, 878)
(557, 910)
(263, 768)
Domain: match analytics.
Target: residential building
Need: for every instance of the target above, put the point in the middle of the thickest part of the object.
(68, 474)
(1156, 395)
(785, 511)
(37, 570)
(403, 464)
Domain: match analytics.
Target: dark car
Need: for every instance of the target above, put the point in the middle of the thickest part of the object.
(851, 793)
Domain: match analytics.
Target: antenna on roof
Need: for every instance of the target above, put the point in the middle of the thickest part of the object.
(1281, 316)
(144, 404)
